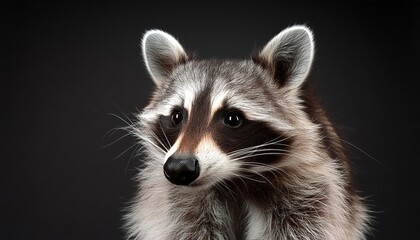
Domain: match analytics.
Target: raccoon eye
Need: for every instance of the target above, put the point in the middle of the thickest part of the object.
(177, 117)
(233, 119)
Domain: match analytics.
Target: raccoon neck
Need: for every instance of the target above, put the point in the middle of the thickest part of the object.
(266, 206)
(210, 214)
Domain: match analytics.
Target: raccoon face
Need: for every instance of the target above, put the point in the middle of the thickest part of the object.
(210, 120)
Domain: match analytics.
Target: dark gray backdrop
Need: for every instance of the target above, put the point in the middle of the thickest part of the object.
(66, 68)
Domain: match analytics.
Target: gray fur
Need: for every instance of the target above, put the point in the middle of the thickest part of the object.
(306, 194)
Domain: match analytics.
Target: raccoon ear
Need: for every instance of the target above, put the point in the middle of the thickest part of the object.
(161, 53)
(289, 55)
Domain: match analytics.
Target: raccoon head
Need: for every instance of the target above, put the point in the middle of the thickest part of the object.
(210, 121)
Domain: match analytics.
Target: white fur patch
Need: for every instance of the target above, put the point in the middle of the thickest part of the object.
(256, 223)
(217, 102)
(215, 165)
(174, 147)
(189, 94)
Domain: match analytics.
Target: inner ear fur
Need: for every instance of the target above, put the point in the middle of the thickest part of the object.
(161, 54)
(288, 56)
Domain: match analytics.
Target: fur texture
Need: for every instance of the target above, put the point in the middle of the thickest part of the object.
(269, 162)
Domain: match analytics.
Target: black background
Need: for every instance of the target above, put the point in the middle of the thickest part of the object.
(67, 68)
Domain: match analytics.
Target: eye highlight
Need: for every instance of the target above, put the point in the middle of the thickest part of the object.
(233, 119)
(177, 117)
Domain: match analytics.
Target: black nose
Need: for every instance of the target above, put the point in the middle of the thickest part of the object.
(181, 170)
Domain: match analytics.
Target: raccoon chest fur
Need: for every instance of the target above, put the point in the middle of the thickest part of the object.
(240, 149)
(239, 211)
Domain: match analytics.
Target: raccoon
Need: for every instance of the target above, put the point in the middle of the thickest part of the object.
(240, 149)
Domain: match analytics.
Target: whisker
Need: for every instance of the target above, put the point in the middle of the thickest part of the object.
(258, 148)
(221, 185)
(280, 152)
(356, 147)
(128, 122)
(135, 152)
(156, 138)
(112, 131)
(115, 141)
(125, 151)
(268, 168)
(257, 155)
(128, 128)
(258, 174)
(239, 154)
(159, 141)
(161, 128)
(276, 141)
(153, 144)
(246, 177)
